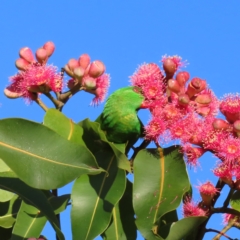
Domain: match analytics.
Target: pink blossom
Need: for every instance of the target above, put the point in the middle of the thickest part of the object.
(36, 78)
(192, 154)
(102, 85)
(147, 72)
(154, 129)
(191, 209)
(224, 172)
(227, 217)
(229, 149)
(207, 192)
(230, 107)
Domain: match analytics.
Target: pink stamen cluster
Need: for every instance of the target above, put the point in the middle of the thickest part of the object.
(34, 76)
(90, 75)
(184, 109)
(230, 217)
(207, 192)
(180, 110)
(191, 209)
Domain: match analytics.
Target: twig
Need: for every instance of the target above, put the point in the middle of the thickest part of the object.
(224, 230)
(202, 229)
(41, 104)
(143, 145)
(58, 104)
(219, 232)
(55, 193)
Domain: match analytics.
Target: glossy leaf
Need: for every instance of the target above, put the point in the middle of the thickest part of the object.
(30, 221)
(9, 181)
(184, 227)
(160, 180)
(64, 126)
(235, 201)
(5, 195)
(94, 197)
(123, 225)
(8, 212)
(166, 222)
(40, 157)
(94, 138)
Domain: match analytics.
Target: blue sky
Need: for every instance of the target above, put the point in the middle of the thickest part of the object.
(124, 34)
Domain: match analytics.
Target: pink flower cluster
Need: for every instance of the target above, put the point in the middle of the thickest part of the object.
(90, 75)
(34, 76)
(185, 109)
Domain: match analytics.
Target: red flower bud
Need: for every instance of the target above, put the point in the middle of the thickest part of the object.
(182, 78)
(84, 60)
(42, 55)
(236, 127)
(183, 99)
(203, 99)
(89, 83)
(27, 54)
(173, 86)
(220, 124)
(73, 63)
(68, 71)
(195, 86)
(78, 73)
(49, 47)
(96, 69)
(21, 64)
(169, 67)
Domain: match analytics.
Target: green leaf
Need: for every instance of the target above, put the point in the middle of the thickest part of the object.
(10, 182)
(94, 197)
(8, 212)
(40, 157)
(165, 223)
(94, 138)
(64, 126)
(5, 195)
(155, 190)
(235, 200)
(30, 221)
(184, 227)
(123, 225)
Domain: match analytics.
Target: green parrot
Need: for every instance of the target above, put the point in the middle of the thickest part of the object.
(119, 118)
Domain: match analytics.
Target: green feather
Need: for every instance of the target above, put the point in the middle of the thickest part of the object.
(119, 118)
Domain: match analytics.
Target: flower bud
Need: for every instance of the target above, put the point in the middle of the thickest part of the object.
(169, 67)
(84, 60)
(203, 99)
(173, 86)
(73, 63)
(89, 83)
(195, 86)
(183, 99)
(21, 64)
(207, 192)
(182, 78)
(71, 83)
(11, 94)
(27, 54)
(220, 124)
(236, 127)
(97, 68)
(68, 71)
(203, 111)
(78, 73)
(49, 47)
(42, 55)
